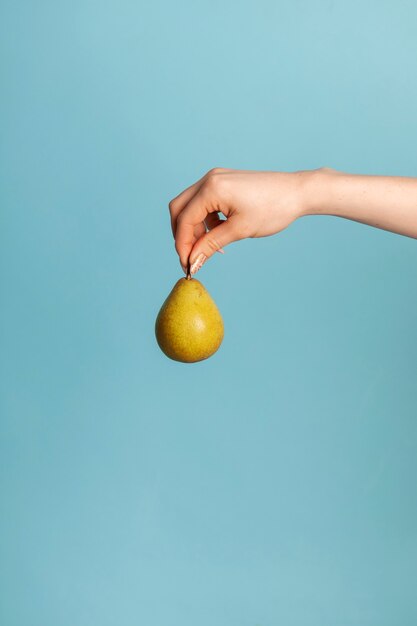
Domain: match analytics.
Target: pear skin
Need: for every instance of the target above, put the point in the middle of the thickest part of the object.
(189, 327)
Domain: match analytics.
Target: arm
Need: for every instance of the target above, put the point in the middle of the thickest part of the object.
(388, 202)
(258, 204)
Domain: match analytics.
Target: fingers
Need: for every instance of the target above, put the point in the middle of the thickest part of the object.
(194, 210)
(178, 203)
(212, 221)
(213, 241)
(189, 221)
(199, 231)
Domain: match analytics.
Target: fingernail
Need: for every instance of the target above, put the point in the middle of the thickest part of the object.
(198, 263)
(220, 250)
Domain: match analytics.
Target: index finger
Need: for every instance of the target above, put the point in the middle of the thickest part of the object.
(178, 203)
(193, 214)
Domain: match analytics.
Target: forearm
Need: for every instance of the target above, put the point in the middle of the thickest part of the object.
(259, 204)
(387, 202)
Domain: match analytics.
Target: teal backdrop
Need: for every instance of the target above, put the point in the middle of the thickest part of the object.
(274, 484)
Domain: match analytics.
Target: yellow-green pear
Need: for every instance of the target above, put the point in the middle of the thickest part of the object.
(189, 326)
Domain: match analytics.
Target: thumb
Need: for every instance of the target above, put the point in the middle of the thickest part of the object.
(211, 242)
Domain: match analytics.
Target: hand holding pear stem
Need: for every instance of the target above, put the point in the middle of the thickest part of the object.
(262, 203)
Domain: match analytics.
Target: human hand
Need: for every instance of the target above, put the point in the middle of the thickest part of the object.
(257, 204)
(254, 204)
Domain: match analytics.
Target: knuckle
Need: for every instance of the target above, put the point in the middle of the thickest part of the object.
(215, 170)
(214, 183)
(215, 178)
(171, 205)
(210, 182)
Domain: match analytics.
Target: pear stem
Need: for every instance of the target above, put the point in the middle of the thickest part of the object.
(188, 270)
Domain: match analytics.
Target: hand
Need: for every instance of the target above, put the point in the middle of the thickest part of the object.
(254, 204)
(257, 204)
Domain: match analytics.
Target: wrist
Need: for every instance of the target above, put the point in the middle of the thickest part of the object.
(314, 190)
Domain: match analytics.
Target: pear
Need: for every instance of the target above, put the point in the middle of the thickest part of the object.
(189, 326)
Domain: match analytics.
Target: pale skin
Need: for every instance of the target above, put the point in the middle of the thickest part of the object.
(258, 204)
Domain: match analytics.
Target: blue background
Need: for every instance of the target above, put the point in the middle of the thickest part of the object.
(276, 482)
